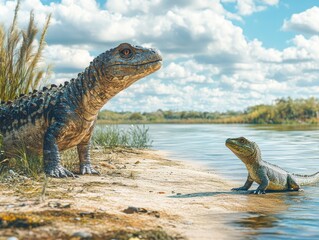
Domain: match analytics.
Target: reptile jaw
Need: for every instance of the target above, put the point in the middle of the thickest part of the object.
(239, 147)
(134, 72)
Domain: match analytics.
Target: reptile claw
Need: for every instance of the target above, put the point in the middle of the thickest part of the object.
(259, 192)
(59, 172)
(87, 168)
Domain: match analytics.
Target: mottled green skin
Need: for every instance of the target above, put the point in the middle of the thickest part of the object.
(61, 117)
(267, 175)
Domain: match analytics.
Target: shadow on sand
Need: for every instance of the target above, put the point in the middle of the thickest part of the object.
(211, 194)
(206, 194)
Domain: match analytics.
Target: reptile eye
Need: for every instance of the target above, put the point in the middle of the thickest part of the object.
(126, 53)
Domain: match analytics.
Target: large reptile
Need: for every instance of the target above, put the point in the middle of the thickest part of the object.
(61, 117)
(267, 175)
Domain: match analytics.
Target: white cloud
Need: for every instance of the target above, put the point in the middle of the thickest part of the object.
(309, 46)
(209, 64)
(67, 58)
(59, 78)
(248, 7)
(262, 54)
(271, 2)
(304, 22)
(124, 7)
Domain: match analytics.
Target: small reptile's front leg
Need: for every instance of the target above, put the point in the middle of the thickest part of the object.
(85, 159)
(263, 186)
(51, 155)
(246, 186)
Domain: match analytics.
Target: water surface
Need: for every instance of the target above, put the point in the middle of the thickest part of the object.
(294, 149)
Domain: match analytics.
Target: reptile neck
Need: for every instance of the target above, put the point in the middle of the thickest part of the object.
(91, 91)
(253, 159)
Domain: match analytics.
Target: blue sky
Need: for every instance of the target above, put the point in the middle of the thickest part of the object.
(218, 54)
(267, 25)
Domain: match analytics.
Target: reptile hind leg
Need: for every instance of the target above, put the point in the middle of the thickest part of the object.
(84, 154)
(292, 184)
(51, 154)
(85, 159)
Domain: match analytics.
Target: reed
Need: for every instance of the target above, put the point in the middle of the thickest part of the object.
(21, 65)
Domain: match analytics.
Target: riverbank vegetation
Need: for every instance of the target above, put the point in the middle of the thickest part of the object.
(282, 111)
(113, 136)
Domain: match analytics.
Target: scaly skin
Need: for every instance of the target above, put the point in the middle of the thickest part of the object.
(59, 118)
(267, 175)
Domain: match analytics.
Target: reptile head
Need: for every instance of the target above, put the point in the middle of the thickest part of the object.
(125, 64)
(243, 148)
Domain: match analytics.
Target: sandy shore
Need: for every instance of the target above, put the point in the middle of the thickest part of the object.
(137, 191)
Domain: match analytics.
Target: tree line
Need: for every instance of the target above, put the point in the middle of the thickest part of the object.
(282, 111)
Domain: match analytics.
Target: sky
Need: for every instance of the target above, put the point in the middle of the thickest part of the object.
(218, 55)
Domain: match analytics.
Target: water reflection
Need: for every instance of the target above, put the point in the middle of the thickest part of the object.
(252, 221)
(298, 221)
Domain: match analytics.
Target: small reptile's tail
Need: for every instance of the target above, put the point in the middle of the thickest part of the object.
(306, 179)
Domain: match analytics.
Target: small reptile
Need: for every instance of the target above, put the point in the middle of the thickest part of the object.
(267, 175)
(61, 117)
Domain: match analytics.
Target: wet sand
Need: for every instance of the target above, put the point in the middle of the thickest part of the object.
(136, 191)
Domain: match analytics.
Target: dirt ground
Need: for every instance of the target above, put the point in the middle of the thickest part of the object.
(139, 195)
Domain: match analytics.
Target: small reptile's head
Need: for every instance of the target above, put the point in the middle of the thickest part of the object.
(243, 148)
(126, 64)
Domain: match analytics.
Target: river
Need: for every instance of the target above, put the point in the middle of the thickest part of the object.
(294, 149)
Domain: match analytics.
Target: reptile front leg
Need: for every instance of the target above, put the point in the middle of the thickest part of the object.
(85, 159)
(246, 186)
(263, 185)
(51, 154)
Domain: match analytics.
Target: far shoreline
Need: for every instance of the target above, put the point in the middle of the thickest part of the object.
(292, 124)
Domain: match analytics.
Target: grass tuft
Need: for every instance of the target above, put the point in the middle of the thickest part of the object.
(23, 163)
(112, 136)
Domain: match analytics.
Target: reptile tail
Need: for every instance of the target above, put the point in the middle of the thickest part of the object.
(306, 179)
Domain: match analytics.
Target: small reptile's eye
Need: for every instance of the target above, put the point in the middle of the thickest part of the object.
(126, 53)
(242, 140)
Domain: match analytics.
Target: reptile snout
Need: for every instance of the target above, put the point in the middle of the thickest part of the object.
(157, 53)
(228, 141)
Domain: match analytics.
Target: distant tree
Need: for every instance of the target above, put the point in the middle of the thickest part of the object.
(310, 108)
(168, 114)
(136, 117)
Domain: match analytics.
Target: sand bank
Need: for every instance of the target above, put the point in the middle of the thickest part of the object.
(138, 192)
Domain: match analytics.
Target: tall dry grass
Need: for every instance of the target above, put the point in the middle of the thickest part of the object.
(21, 57)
